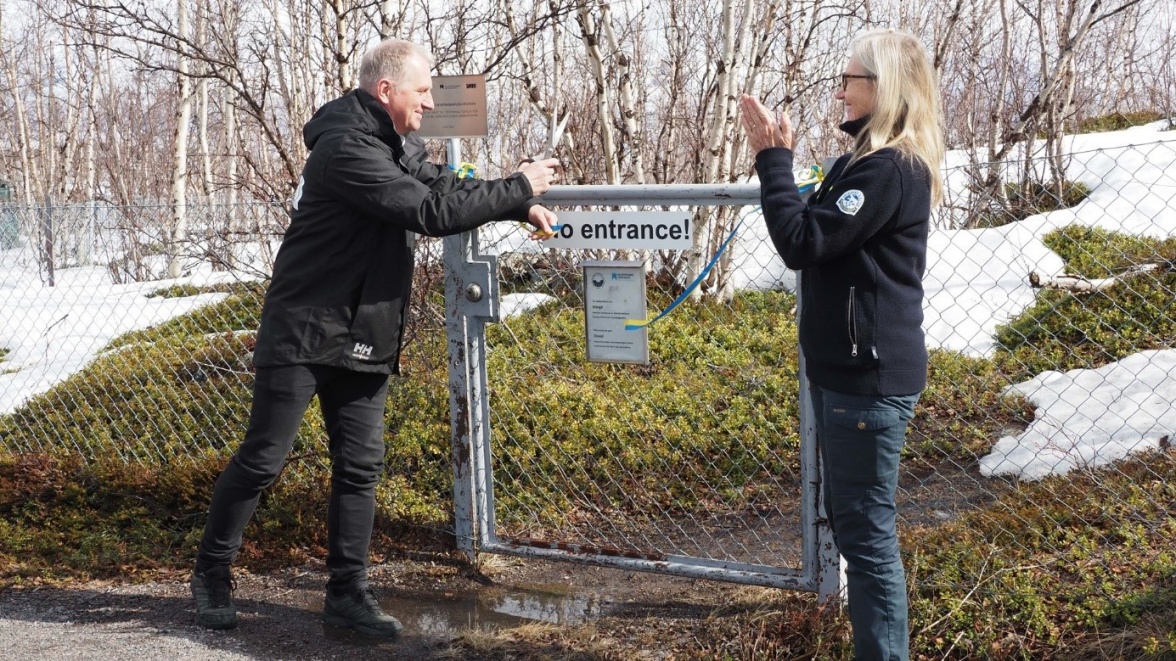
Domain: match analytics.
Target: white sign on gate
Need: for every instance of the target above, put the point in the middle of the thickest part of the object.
(623, 230)
(614, 293)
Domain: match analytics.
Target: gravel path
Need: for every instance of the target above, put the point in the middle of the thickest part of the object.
(437, 601)
(155, 620)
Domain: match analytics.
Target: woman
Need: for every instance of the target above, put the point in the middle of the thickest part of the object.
(861, 243)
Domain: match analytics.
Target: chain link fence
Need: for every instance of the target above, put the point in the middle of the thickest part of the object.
(1050, 312)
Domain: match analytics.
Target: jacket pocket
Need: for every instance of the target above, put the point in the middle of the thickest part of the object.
(851, 324)
(323, 334)
(864, 445)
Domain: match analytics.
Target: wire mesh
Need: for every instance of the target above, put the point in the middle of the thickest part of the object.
(1050, 311)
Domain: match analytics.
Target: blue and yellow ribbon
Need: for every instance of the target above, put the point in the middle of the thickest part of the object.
(814, 176)
(465, 170)
(468, 170)
(539, 233)
(805, 184)
(637, 324)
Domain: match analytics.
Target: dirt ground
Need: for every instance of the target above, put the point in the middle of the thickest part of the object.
(437, 596)
(436, 601)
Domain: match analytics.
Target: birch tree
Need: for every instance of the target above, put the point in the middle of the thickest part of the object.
(179, 187)
(731, 69)
(30, 181)
(1078, 17)
(588, 21)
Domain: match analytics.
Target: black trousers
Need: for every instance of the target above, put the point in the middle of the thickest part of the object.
(353, 410)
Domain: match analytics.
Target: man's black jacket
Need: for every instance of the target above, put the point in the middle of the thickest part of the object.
(342, 275)
(861, 245)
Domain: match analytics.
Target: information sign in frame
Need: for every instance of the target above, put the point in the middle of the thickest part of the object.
(614, 293)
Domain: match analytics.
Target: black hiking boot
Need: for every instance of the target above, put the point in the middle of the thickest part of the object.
(357, 608)
(213, 590)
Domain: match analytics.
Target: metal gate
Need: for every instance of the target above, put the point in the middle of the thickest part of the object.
(472, 294)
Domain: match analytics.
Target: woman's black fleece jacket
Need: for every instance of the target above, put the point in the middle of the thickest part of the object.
(860, 243)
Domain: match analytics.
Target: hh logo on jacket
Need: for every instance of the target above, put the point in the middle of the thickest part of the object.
(361, 350)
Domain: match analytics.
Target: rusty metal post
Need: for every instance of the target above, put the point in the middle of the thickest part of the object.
(471, 301)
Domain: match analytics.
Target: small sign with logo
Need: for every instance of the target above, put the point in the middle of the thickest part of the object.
(614, 293)
(460, 108)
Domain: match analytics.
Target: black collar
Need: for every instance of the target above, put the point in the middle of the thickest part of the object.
(854, 126)
(385, 129)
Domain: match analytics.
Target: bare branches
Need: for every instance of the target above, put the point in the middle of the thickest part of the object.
(649, 87)
(1056, 75)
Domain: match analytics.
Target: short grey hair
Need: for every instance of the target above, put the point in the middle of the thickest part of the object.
(386, 60)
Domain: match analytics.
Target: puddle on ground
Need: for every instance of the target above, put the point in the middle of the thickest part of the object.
(444, 617)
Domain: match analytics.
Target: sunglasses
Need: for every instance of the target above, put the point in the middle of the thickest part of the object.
(846, 77)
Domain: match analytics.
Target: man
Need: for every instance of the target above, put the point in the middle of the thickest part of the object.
(333, 316)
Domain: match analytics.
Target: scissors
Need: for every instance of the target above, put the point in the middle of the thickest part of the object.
(553, 138)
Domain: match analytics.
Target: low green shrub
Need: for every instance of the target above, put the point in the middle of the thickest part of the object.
(65, 516)
(719, 399)
(1073, 567)
(1052, 566)
(177, 396)
(147, 402)
(1067, 330)
(240, 310)
(1021, 201)
(184, 290)
(1034, 198)
(962, 411)
(1117, 121)
(1093, 252)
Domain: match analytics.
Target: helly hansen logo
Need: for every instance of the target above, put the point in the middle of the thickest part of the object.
(362, 350)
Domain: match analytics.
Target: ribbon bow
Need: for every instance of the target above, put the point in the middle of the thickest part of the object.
(465, 170)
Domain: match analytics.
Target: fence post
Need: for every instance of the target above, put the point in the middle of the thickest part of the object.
(471, 300)
(453, 254)
(47, 235)
(87, 247)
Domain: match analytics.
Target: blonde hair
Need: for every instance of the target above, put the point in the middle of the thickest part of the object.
(386, 60)
(906, 114)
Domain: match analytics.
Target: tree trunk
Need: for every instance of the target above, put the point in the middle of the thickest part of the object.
(179, 194)
(591, 36)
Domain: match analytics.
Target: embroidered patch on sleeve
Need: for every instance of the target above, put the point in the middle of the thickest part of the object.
(851, 202)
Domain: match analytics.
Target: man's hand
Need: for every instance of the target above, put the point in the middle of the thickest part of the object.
(762, 130)
(540, 173)
(543, 219)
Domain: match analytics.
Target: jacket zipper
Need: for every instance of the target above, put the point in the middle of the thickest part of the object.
(851, 323)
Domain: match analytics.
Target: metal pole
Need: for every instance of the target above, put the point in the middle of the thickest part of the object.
(665, 194)
(471, 300)
(459, 392)
(47, 235)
